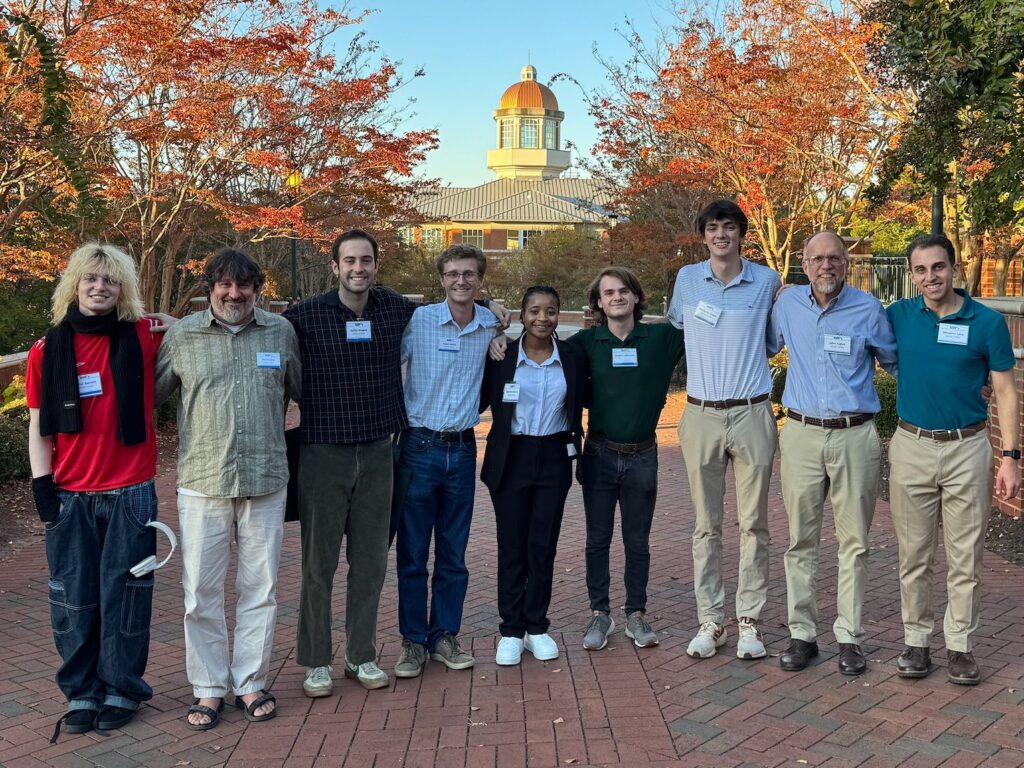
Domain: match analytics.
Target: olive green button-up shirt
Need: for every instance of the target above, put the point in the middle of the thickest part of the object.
(234, 392)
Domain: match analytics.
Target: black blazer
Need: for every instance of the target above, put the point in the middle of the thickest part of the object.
(496, 375)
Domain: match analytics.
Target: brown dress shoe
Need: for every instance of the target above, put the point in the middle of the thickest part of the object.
(798, 655)
(962, 669)
(914, 662)
(851, 659)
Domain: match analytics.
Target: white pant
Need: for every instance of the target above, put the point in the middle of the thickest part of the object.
(205, 551)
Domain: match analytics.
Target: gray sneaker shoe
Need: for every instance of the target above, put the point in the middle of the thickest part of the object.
(596, 635)
(639, 631)
(448, 651)
(318, 682)
(412, 660)
(369, 675)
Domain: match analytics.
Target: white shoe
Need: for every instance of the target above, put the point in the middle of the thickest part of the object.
(749, 645)
(318, 682)
(369, 675)
(542, 647)
(710, 637)
(510, 651)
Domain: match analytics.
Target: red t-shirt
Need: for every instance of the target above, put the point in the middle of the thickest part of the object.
(95, 459)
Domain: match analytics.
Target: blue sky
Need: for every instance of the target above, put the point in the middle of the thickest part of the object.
(472, 51)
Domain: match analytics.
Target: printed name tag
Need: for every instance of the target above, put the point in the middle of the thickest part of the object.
(709, 313)
(838, 344)
(953, 334)
(570, 449)
(624, 358)
(89, 385)
(357, 330)
(451, 345)
(268, 359)
(511, 393)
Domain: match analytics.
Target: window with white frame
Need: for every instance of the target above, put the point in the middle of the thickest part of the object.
(517, 239)
(406, 235)
(473, 237)
(505, 141)
(550, 134)
(433, 239)
(528, 134)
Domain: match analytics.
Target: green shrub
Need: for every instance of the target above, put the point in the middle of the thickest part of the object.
(14, 442)
(886, 419)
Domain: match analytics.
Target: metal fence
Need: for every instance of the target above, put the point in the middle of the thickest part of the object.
(886, 277)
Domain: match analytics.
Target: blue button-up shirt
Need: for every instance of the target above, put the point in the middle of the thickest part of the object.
(825, 384)
(445, 367)
(727, 360)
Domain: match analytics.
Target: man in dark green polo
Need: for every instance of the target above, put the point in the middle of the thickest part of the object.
(631, 364)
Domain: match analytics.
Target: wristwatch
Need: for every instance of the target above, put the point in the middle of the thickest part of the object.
(1013, 454)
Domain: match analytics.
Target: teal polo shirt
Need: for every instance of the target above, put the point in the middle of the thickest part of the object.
(939, 382)
(625, 402)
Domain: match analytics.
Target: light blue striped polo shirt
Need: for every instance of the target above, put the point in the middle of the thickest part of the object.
(727, 360)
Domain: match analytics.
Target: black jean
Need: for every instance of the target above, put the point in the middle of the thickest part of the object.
(528, 508)
(631, 480)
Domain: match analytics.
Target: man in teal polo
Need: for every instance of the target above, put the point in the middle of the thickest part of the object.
(940, 456)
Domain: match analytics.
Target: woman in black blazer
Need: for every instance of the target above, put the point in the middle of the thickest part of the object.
(536, 400)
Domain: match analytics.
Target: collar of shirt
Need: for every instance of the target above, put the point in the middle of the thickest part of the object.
(333, 299)
(210, 320)
(808, 294)
(443, 314)
(601, 333)
(966, 311)
(550, 361)
(745, 275)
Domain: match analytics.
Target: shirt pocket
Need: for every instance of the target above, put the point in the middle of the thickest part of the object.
(852, 362)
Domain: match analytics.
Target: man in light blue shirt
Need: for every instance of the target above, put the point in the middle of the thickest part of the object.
(444, 347)
(722, 305)
(834, 334)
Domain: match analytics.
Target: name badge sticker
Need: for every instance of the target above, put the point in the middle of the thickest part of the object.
(950, 333)
(837, 344)
(450, 345)
(268, 359)
(570, 449)
(624, 358)
(89, 385)
(511, 392)
(709, 313)
(358, 330)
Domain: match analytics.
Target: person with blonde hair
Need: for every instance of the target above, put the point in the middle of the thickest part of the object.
(92, 447)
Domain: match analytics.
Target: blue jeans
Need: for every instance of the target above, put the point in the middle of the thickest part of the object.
(99, 611)
(631, 480)
(439, 503)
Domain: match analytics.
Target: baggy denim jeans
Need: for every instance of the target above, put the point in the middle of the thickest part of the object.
(99, 611)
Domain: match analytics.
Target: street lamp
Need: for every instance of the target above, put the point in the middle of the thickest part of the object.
(294, 182)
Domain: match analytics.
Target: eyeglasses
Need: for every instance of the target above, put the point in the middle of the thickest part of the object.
(469, 276)
(817, 261)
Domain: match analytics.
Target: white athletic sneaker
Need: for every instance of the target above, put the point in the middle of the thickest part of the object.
(318, 682)
(510, 651)
(710, 637)
(542, 647)
(749, 645)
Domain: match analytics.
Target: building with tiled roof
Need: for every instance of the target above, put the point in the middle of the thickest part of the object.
(530, 196)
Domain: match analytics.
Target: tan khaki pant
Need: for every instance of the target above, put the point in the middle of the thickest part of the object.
(844, 464)
(710, 439)
(928, 479)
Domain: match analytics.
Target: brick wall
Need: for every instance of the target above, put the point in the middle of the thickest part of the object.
(1013, 278)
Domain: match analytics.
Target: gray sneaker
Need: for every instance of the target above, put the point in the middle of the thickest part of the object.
(448, 651)
(412, 660)
(639, 631)
(596, 635)
(369, 675)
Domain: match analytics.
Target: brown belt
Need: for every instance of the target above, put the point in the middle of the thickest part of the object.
(839, 422)
(720, 404)
(943, 435)
(627, 448)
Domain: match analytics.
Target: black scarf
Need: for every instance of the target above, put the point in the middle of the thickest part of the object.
(61, 407)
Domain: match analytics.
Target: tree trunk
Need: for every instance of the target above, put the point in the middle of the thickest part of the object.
(999, 274)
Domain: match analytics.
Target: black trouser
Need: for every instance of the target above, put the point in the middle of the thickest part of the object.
(528, 508)
(631, 480)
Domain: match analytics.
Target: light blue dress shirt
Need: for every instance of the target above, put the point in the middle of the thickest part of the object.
(542, 389)
(445, 367)
(832, 351)
(725, 360)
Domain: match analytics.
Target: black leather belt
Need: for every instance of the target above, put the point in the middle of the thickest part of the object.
(465, 436)
(626, 448)
(943, 435)
(838, 422)
(720, 404)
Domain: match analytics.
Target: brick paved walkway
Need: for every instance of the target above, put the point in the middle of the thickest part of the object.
(622, 706)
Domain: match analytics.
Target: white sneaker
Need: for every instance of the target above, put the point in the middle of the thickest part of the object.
(369, 675)
(749, 645)
(510, 651)
(542, 647)
(710, 637)
(318, 682)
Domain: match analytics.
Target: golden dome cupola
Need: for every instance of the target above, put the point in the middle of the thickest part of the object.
(528, 124)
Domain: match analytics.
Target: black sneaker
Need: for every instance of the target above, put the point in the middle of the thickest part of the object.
(75, 721)
(111, 718)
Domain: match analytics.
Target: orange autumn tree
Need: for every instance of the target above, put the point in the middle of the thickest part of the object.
(772, 103)
(204, 108)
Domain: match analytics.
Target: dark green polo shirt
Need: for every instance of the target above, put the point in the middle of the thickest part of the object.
(626, 403)
(939, 382)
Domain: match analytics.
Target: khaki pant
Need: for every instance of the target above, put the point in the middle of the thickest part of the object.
(844, 464)
(952, 479)
(710, 439)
